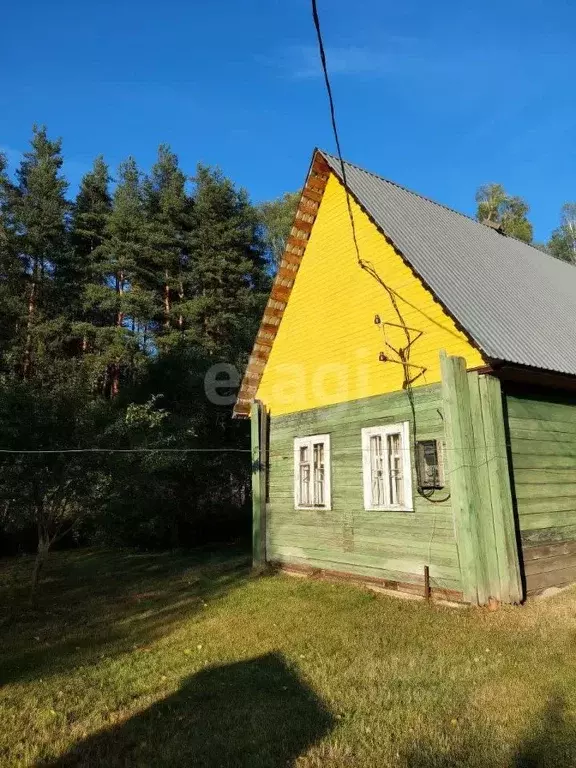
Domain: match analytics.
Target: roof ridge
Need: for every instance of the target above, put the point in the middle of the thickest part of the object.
(400, 186)
(430, 200)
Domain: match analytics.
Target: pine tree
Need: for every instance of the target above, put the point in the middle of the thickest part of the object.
(90, 217)
(40, 221)
(119, 293)
(91, 213)
(12, 278)
(227, 276)
(168, 213)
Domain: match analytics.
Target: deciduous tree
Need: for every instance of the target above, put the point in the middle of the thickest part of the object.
(277, 217)
(497, 207)
(562, 244)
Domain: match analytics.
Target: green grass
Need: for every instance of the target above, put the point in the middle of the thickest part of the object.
(172, 660)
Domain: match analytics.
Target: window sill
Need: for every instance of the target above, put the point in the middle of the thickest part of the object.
(388, 509)
(318, 509)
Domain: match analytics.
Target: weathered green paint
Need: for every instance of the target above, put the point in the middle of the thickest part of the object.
(393, 546)
(542, 431)
(258, 433)
(500, 490)
(488, 554)
(463, 476)
(482, 498)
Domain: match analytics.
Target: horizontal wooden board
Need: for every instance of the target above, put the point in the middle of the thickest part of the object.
(418, 531)
(548, 490)
(539, 581)
(360, 570)
(391, 404)
(547, 520)
(348, 537)
(538, 536)
(541, 409)
(550, 476)
(549, 564)
(378, 554)
(531, 506)
(539, 445)
(436, 592)
(396, 565)
(540, 461)
(551, 426)
(427, 417)
(554, 550)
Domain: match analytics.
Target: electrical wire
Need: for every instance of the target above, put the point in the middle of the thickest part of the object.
(334, 125)
(125, 450)
(365, 265)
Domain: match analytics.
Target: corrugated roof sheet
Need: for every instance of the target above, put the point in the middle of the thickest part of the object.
(516, 302)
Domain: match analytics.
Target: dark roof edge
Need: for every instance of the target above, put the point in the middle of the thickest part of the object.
(329, 158)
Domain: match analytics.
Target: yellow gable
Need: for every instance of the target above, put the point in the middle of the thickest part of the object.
(328, 346)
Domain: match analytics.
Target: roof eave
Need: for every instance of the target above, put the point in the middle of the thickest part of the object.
(310, 199)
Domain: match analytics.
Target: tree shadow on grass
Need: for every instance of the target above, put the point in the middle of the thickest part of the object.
(549, 743)
(251, 714)
(96, 604)
(552, 742)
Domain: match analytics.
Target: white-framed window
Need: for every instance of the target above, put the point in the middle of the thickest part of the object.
(386, 467)
(312, 486)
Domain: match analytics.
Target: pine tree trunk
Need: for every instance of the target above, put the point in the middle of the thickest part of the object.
(115, 367)
(166, 301)
(120, 292)
(29, 323)
(181, 297)
(115, 387)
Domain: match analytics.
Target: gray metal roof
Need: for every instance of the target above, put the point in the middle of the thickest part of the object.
(517, 303)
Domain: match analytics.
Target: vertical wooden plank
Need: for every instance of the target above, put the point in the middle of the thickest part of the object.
(485, 520)
(501, 493)
(461, 466)
(264, 476)
(257, 540)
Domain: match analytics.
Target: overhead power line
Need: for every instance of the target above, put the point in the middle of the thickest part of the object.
(126, 450)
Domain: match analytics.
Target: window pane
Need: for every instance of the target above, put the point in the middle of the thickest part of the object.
(304, 486)
(319, 474)
(377, 471)
(395, 475)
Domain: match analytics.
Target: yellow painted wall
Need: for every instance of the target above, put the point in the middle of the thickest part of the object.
(326, 350)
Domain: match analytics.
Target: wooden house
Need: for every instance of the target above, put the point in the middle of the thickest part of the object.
(412, 395)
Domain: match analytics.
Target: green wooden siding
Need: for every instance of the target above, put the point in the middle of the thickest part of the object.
(542, 430)
(481, 492)
(389, 545)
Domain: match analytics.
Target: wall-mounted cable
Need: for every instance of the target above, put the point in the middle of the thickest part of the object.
(403, 352)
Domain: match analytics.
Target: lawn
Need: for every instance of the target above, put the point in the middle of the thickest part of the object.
(171, 660)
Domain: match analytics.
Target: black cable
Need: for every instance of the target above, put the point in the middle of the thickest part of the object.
(366, 266)
(334, 126)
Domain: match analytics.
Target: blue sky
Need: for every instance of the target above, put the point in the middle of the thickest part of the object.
(440, 97)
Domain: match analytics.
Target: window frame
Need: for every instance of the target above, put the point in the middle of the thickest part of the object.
(384, 430)
(309, 441)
